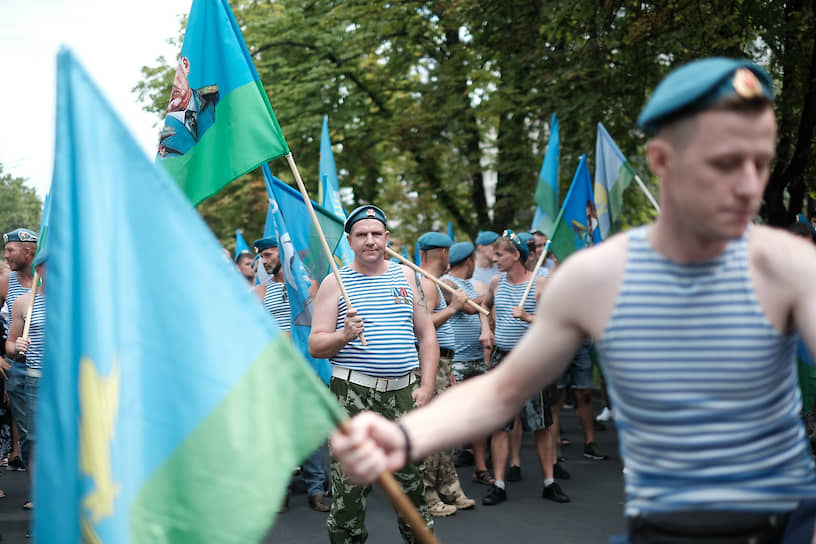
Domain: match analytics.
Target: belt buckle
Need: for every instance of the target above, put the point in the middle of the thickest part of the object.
(377, 385)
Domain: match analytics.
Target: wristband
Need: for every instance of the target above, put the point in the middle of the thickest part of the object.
(407, 442)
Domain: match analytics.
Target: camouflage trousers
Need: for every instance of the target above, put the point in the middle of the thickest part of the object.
(346, 523)
(440, 471)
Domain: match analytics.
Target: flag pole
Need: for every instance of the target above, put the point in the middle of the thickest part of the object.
(433, 278)
(293, 167)
(400, 501)
(646, 192)
(30, 310)
(539, 262)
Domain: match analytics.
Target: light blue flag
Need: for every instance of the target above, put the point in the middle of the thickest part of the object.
(297, 287)
(405, 253)
(613, 174)
(240, 244)
(546, 196)
(416, 256)
(330, 191)
(153, 377)
(450, 230)
(577, 224)
(301, 229)
(42, 239)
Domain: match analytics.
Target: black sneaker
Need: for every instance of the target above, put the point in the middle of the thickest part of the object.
(554, 493)
(591, 451)
(513, 474)
(560, 472)
(494, 496)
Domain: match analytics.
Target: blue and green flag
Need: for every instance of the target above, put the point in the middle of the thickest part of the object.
(171, 408)
(576, 226)
(330, 191)
(546, 195)
(613, 173)
(302, 231)
(240, 244)
(219, 123)
(297, 287)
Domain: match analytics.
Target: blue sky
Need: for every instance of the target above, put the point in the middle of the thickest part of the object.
(112, 38)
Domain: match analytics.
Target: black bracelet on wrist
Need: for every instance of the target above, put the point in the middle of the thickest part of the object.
(407, 442)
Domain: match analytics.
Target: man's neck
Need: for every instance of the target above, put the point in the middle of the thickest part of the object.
(458, 272)
(680, 246)
(518, 274)
(437, 268)
(24, 276)
(278, 277)
(370, 268)
(483, 262)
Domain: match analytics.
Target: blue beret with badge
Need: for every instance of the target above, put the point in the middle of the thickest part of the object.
(520, 245)
(20, 235)
(701, 84)
(265, 243)
(364, 212)
(486, 237)
(459, 252)
(433, 240)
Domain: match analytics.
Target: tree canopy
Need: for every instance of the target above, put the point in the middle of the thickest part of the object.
(19, 204)
(425, 98)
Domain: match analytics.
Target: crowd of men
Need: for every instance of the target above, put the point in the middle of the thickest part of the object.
(694, 319)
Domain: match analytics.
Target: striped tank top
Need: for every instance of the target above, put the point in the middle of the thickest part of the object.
(704, 388)
(466, 327)
(444, 333)
(15, 290)
(276, 302)
(36, 333)
(386, 304)
(509, 330)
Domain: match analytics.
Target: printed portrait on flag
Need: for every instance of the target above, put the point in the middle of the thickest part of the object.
(190, 113)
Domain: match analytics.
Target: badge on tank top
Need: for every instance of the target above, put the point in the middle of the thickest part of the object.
(400, 292)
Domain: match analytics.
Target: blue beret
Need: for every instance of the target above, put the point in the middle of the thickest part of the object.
(702, 83)
(20, 235)
(459, 252)
(517, 243)
(526, 237)
(243, 252)
(364, 212)
(265, 243)
(486, 237)
(433, 240)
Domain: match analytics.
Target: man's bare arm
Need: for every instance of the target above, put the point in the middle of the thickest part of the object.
(425, 333)
(325, 340)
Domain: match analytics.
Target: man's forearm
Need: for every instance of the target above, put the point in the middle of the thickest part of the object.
(428, 360)
(324, 345)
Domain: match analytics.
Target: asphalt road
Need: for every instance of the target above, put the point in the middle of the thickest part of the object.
(594, 514)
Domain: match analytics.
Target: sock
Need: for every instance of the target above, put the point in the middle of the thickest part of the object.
(548, 482)
(499, 484)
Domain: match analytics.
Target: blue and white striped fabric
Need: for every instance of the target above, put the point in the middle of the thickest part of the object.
(704, 388)
(15, 290)
(509, 330)
(386, 304)
(36, 333)
(444, 333)
(466, 327)
(276, 302)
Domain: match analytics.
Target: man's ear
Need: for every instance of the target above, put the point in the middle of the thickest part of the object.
(659, 154)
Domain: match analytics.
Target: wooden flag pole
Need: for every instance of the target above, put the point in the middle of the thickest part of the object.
(433, 278)
(401, 502)
(30, 310)
(539, 262)
(292, 166)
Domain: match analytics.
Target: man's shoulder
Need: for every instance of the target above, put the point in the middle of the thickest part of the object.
(780, 253)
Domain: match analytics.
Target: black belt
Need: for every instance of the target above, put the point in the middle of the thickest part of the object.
(708, 527)
(446, 353)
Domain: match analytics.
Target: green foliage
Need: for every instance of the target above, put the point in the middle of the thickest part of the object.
(424, 97)
(19, 204)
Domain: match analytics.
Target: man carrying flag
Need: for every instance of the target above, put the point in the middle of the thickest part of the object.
(381, 376)
(20, 248)
(696, 318)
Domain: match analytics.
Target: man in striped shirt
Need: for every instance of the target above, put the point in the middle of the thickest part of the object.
(389, 309)
(443, 490)
(695, 317)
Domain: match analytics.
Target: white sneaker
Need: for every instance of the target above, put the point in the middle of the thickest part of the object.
(605, 415)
